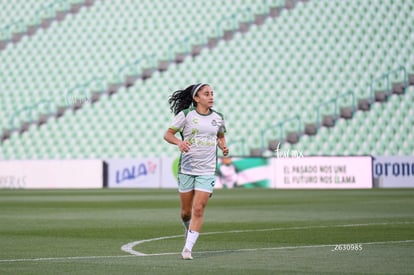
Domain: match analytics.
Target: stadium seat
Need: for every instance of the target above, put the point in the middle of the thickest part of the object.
(283, 68)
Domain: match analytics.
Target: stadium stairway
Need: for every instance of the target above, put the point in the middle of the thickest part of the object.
(42, 18)
(290, 139)
(383, 126)
(229, 27)
(387, 130)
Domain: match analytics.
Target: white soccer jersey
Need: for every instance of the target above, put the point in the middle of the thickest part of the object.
(201, 132)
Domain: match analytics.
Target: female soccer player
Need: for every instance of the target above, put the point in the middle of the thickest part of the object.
(202, 130)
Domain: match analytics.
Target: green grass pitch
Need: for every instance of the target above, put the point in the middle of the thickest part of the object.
(254, 231)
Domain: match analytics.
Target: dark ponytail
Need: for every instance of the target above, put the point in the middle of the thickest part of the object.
(182, 99)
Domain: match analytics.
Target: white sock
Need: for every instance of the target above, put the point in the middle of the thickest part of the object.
(191, 239)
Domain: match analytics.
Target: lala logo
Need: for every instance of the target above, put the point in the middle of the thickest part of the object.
(135, 171)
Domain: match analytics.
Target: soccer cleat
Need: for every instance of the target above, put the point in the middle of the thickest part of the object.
(186, 254)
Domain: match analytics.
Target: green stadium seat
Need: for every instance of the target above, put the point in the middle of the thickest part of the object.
(285, 67)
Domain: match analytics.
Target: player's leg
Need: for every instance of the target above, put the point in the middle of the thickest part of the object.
(186, 185)
(186, 189)
(203, 190)
(199, 203)
(186, 199)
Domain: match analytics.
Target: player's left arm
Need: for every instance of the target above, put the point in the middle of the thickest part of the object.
(221, 142)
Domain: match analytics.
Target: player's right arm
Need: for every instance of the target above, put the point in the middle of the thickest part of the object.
(170, 137)
(177, 125)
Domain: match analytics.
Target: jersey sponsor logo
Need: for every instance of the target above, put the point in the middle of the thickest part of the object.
(205, 140)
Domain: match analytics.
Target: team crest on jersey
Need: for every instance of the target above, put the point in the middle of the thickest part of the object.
(195, 120)
(214, 122)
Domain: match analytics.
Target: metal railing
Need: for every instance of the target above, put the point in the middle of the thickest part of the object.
(281, 127)
(334, 101)
(148, 61)
(386, 76)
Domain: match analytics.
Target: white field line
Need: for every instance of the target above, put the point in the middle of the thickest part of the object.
(280, 248)
(132, 253)
(64, 258)
(129, 247)
(200, 252)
